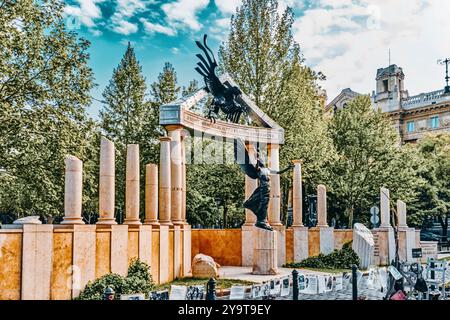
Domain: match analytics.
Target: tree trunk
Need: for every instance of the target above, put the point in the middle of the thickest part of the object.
(225, 218)
(444, 225)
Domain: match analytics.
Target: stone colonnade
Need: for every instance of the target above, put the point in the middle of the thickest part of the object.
(165, 197)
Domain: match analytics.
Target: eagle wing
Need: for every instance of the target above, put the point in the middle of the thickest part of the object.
(243, 160)
(207, 69)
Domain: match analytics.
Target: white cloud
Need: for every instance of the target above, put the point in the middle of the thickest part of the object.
(228, 6)
(124, 27)
(349, 40)
(183, 13)
(87, 11)
(152, 28)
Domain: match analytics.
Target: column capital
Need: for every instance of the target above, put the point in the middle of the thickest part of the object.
(297, 162)
(173, 127)
(165, 139)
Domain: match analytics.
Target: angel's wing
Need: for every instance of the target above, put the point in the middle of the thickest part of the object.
(243, 160)
(207, 69)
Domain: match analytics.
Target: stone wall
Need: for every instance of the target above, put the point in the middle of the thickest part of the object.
(225, 245)
(56, 261)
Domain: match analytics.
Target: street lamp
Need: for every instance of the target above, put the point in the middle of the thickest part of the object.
(447, 78)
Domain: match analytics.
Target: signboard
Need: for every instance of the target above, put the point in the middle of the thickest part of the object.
(337, 283)
(159, 295)
(395, 273)
(237, 293)
(195, 293)
(285, 287)
(417, 252)
(256, 291)
(311, 284)
(136, 296)
(275, 287)
(178, 292)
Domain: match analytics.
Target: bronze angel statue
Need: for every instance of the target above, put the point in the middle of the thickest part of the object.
(258, 202)
(224, 95)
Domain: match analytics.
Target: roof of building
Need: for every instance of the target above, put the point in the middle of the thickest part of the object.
(391, 70)
(347, 92)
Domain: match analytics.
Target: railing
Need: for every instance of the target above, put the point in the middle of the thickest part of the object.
(424, 99)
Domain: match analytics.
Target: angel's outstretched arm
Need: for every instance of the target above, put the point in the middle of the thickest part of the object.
(282, 171)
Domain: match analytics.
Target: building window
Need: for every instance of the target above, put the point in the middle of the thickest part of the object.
(434, 122)
(410, 126)
(385, 85)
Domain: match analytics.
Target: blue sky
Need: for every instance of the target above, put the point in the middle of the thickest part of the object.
(345, 39)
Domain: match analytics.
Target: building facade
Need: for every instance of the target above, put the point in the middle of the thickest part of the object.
(412, 116)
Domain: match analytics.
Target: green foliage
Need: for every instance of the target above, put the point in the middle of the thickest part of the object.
(263, 58)
(338, 259)
(368, 156)
(44, 91)
(433, 200)
(215, 191)
(138, 280)
(129, 118)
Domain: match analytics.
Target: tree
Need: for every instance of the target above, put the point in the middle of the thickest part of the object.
(368, 157)
(261, 55)
(191, 88)
(128, 118)
(44, 90)
(165, 89)
(433, 200)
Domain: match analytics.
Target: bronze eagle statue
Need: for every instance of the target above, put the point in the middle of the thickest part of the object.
(224, 95)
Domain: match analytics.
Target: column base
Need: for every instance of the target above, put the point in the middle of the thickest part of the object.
(72, 221)
(165, 223)
(107, 221)
(151, 222)
(132, 222)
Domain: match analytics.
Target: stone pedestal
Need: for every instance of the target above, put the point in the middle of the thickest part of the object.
(73, 191)
(265, 252)
(326, 239)
(297, 197)
(247, 245)
(187, 254)
(301, 245)
(384, 245)
(151, 194)
(37, 248)
(132, 186)
(106, 183)
(281, 244)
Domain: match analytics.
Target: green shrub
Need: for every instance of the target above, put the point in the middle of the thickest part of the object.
(338, 259)
(138, 280)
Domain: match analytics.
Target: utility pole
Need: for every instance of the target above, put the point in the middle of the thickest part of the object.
(447, 78)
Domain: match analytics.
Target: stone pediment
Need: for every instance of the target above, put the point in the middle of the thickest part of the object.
(342, 98)
(179, 112)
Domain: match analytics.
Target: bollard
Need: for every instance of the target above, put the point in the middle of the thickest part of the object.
(211, 289)
(109, 294)
(354, 282)
(295, 285)
(432, 276)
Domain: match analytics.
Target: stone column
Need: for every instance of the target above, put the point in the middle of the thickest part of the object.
(385, 210)
(73, 191)
(151, 194)
(107, 183)
(297, 197)
(164, 182)
(274, 204)
(401, 214)
(183, 178)
(326, 233)
(300, 232)
(322, 206)
(176, 174)
(132, 185)
(250, 218)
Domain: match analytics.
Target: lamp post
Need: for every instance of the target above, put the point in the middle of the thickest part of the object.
(447, 78)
